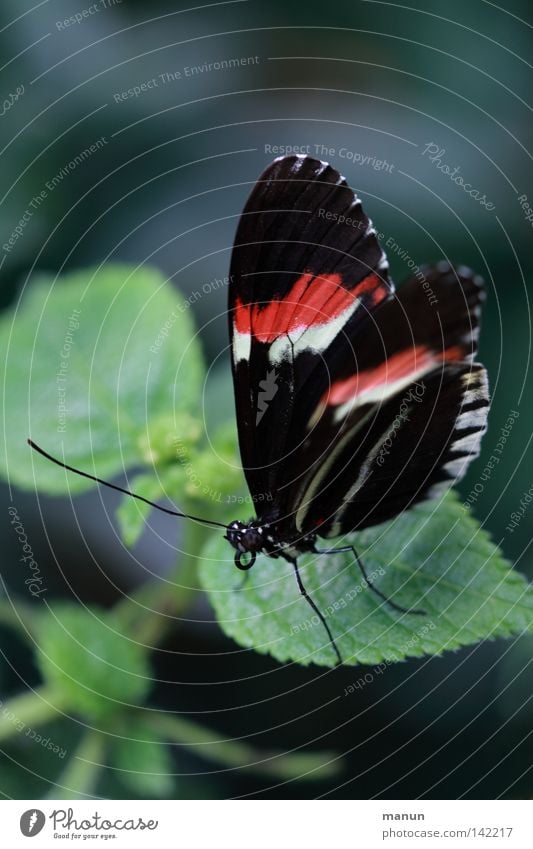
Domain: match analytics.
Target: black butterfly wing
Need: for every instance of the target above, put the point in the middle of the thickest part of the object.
(352, 403)
(413, 446)
(404, 412)
(306, 266)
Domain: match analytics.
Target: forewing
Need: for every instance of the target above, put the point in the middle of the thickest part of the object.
(306, 266)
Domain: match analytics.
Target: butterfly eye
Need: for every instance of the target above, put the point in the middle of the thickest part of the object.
(245, 561)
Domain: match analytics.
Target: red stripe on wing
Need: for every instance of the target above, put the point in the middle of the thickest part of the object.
(311, 302)
(394, 368)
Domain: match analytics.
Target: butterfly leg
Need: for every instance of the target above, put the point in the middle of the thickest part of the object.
(313, 606)
(242, 583)
(369, 582)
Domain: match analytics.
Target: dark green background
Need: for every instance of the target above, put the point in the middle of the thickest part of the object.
(455, 74)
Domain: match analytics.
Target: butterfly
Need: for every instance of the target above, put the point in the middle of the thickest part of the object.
(354, 401)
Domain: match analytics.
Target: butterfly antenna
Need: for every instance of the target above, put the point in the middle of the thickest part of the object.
(63, 465)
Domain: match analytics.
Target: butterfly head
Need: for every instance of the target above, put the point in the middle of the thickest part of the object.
(247, 539)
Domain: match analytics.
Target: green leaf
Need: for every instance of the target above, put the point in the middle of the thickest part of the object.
(90, 359)
(214, 475)
(434, 557)
(170, 438)
(82, 654)
(211, 475)
(143, 760)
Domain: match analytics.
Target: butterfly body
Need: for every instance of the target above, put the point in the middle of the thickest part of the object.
(257, 537)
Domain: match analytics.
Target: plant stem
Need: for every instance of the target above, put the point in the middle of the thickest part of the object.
(78, 779)
(234, 753)
(152, 611)
(29, 710)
